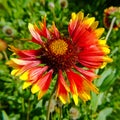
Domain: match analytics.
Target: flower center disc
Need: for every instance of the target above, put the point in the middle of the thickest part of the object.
(58, 47)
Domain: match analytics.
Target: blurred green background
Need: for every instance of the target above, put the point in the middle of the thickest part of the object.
(18, 104)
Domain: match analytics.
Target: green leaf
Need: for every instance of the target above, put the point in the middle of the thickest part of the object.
(5, 5)
(105, 75)
(35, 118)
(104, 113)
(3, 69)
(96, 100)
(4, 115)
(109, 80)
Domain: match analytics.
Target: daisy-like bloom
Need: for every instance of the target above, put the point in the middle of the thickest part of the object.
(63, 3)
(109, 13)
(72, 58)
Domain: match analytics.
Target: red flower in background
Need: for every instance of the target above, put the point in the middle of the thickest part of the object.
(73, 59)
(109, 13)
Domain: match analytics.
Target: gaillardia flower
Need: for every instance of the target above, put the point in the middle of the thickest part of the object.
(109, 14)
(73, 59)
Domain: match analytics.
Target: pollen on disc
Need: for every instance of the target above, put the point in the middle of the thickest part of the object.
(58, 47)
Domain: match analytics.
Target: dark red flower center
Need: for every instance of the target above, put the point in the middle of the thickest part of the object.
(59, 54)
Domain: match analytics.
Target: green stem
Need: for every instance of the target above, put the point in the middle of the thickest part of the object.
(23, 106)
(5, 55)
(111, 27)
(114, 51)
(28, 111)
(48, 112)
(60, 112)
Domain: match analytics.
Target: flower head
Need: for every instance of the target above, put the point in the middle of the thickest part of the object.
(51, 5)
(73, 59)
(3, 45)
(109, 14)
(8, 31)
(74, 113)
(63, 3)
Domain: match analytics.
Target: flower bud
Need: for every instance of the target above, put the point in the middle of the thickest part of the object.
(74, 113)
(109, 14)
(3, 45)
(63, 3)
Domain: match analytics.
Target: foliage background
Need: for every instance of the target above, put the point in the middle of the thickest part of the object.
(17, 104)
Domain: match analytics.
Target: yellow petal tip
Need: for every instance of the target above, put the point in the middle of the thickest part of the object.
(24, 76)
(26, 84)
(62, 100)
(75, 98)
(35, 88)
(41, 93)
(99, 32)
(107, 59)
(13, 72)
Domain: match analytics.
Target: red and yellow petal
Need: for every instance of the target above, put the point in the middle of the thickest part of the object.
(15, 71)
(26, 85)
(74, 85)
(89, 21)
(37, 33)
(88, 86)
(37, 38)
(36, 72)
(25, 76)
(83, 30)
(23, 62)
(94, 25)
(80, 87)
(22, 65)
(95, 55)
(43, 31)
(54, 31)
(12, 64)
(62, 89)
(43, 84)
(28, 54)
(32, 75)
(99, 32)
(73, 23)
(83, 36)
(88, 74)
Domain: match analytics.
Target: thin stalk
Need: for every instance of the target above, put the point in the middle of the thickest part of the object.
(28, 111)
(111, 27)
(5, 55)
(23, 105)
(114, 51)
(48, 112)
(60, 112)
